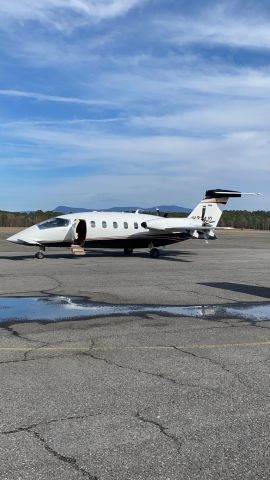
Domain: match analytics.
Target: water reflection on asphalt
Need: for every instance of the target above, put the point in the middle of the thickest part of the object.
(57, 308)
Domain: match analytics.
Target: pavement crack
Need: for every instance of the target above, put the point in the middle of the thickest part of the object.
(162, 429)
(26, 353)
(42, 345)
(201, 357)
(49, 291)
(152, 374)
(28, 428)
(64, 458)
(18, 430)
(237, 376)
(14, 332)
(265, 327)
(132, 369)
(45, 357)
(5, 362)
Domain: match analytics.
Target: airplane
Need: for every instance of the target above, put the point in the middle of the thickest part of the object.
(125, 230)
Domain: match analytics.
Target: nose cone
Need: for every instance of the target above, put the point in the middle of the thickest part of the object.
(25, 237)
(13, 238)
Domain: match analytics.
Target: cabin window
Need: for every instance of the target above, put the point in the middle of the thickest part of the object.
(125, 225)
(104, 224)
(115, 225)
(93, 223)
(136, 225)
(54, 223)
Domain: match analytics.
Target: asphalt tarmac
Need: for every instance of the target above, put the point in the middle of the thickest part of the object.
(145, 396)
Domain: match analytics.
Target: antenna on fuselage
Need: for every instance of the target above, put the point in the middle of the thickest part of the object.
(159, 214)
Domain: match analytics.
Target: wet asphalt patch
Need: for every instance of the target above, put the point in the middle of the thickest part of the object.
(59, 308)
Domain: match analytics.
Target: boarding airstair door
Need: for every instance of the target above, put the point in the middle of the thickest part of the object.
(79, 230)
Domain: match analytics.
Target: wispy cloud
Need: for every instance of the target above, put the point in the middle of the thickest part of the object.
(59, 12)
(51, 98)
(221, 24)
(212, 118)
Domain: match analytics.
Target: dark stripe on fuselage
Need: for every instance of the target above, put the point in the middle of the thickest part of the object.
(142, 242)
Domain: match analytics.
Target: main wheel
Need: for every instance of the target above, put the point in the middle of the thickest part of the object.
(40, 255)
(154, 253)
(128, 251)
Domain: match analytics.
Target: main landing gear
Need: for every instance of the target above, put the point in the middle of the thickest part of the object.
(40, 254)
(154, 252)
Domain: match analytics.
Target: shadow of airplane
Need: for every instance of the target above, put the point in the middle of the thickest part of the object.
(169, 256)
(14, 258)
(241, 288)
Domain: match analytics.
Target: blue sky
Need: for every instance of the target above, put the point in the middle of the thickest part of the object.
(133, 102)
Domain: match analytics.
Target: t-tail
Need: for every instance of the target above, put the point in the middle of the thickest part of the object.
(210, 209)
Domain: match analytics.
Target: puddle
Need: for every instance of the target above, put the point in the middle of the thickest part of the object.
(59, 308)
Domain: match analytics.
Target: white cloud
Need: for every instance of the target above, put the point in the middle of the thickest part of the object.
(154, 169)
(219, 25)
(48, 11)
(213, 117)
(171, 154)
(167, 88)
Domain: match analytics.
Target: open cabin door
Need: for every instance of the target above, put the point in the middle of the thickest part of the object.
(79, 230)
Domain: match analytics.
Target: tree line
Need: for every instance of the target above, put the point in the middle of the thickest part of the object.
(258, 220)
(23, 219)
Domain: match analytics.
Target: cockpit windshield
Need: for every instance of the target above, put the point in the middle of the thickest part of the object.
(54, 223)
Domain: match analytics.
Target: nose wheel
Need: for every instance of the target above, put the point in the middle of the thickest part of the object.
(128, 251)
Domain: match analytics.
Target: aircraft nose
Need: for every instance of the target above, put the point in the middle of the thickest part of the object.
(13, 238)
(25, 237)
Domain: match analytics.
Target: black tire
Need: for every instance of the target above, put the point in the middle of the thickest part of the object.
(154, 253)
(39, 255)
(128, 251)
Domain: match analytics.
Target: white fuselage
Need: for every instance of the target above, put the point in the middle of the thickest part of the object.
(113, 229)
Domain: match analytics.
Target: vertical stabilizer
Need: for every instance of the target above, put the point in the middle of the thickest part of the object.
(210, 209)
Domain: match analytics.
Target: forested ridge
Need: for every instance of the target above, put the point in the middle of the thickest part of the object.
(259, 220)
(23, 219)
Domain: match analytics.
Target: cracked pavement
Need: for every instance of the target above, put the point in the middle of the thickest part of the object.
(139, 397)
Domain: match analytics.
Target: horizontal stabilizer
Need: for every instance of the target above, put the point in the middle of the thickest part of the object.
(219, 193)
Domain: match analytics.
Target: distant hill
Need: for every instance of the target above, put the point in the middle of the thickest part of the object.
(162, 208)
